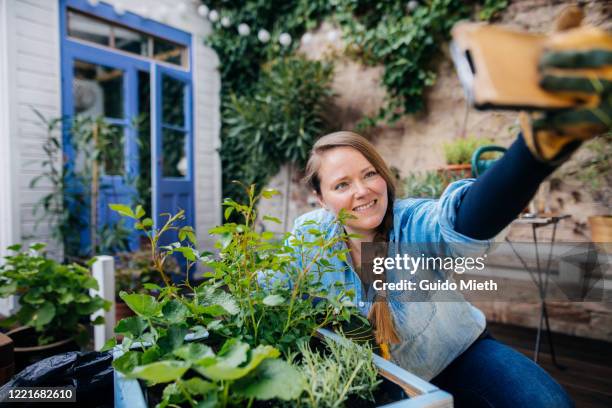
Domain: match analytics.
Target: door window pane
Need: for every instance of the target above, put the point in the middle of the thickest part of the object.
(88, 29)
(97, 90)
(174, 158)
(173, 106)
(111, 147)
(130, 41)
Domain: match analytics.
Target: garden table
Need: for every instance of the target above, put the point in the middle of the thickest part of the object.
(542, 273)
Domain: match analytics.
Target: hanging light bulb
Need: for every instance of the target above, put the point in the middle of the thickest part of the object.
(306, 38)
(244, 29)
(203, 10)
(284, 39)
(263, 36)
(213, 16)
(225, 22)
(411, 5)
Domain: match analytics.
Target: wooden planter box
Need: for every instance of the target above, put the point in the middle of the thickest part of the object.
(129, 394)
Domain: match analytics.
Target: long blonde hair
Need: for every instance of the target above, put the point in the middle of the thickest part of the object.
(380, 314)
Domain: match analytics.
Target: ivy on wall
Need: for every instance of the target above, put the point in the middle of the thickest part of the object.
(404, 37)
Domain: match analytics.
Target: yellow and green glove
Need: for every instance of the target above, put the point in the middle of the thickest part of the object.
(580, 65)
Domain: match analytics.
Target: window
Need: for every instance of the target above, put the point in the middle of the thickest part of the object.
(109, 34)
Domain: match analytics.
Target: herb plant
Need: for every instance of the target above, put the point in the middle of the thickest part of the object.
(53, 298)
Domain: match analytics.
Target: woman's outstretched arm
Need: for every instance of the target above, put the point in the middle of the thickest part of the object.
(501, 193)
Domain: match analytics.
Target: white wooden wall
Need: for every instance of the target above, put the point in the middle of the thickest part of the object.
(30, 77)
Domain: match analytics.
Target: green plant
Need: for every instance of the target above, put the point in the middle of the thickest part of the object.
(460, 151)
(336, 373)
(71, 205)
(134, 270)
(277, 123)
(246, 303)
(386, 33)
(429, 184)
(53, 298)
(592, 169)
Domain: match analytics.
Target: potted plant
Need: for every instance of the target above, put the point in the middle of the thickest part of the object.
(54, 304)
(458, 156)
(244, 337)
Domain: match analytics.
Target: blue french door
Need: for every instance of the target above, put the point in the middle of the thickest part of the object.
(99, 83)
(172, 145)
(130, 70)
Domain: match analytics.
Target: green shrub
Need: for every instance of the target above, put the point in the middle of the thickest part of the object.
(53, 298)
(460, 151)
(279, 123)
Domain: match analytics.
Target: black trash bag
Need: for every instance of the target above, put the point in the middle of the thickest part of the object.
(90, 373)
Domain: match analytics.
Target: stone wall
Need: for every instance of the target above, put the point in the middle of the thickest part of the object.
(415, 144)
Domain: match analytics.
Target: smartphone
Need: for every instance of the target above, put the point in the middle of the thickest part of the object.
(498, 68)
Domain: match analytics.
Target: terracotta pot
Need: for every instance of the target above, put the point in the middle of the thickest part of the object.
(601, 232)
(27, 353)
(122, 311)
(452, 172)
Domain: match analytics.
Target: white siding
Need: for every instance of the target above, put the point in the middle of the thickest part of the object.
(30, 78)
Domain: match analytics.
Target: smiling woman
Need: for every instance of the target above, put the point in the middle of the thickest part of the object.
(445, 342)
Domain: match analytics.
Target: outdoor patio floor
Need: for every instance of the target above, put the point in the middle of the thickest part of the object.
(587, 375)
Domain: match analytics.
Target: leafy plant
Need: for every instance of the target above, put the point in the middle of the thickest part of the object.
(429, 184)
(71, 205)
(460, 151)
(278, 123)
(405, 41)
(259, 300)
(280, 295)
(134, 270)
(53, 298)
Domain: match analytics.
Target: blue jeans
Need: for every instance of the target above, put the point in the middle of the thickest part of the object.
(491, 374)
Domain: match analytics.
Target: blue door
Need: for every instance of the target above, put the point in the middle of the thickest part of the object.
(102, 84)
(173, 146)
(125, 68)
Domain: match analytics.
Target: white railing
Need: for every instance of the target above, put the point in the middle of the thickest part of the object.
(103, 271)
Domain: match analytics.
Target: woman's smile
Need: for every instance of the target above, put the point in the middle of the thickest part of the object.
(366, 206)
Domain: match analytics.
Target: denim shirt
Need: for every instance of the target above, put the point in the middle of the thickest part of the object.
(432, 333)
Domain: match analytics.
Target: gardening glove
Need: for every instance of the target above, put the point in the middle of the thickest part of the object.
(576, 62)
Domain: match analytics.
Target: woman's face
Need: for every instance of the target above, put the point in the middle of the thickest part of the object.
(350, 182)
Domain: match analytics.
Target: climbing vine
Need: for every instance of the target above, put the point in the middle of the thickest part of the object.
(404, 37)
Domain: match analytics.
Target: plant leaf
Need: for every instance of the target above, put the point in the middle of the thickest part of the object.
(273, 300)
(226, 367)
(160, 371)
(273, 378)
(143, 305)
(133, 325)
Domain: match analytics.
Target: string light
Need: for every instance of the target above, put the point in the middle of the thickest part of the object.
(284, 39)
(306, 38)
(225, 22)
(203, 10)
(244, 29)
(263, 36)
(213, 15)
